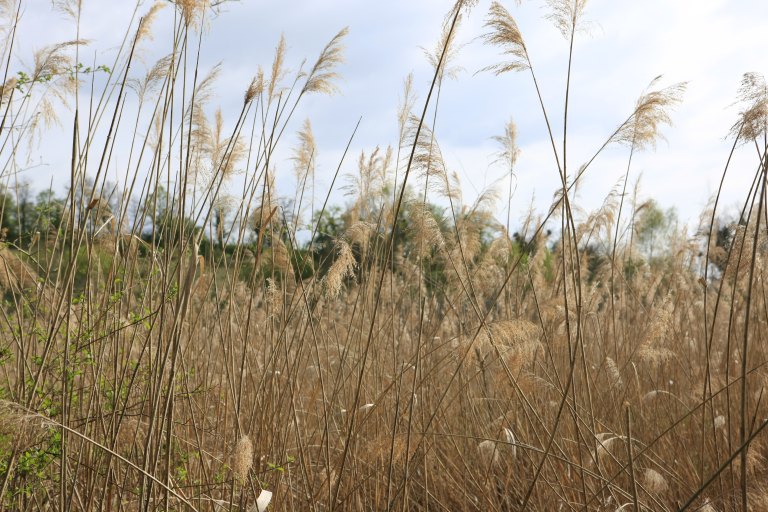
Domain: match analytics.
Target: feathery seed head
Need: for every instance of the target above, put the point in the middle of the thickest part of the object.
(281, 256)
(242, 458)
(446, 48)
(463, 7)
(614, 374)
(192, 10)
(719, 422)
(566, 14)
(406, 106)
(605, 442)
(263, 217)
(304, 154)
(488, 451)
(7, 88)
(323, 74)
(273, 296)
(509, 437)
(145, 24)
(70, 8)
(53, 60)
(342, 268)
(360, 233)
(256, 87)
(428, 163)
(753, 120)
(426, 230)
(278, 73)
(154, 77)
(654, 481)
(7, 8)
(642, 128)
(508, 142)
(504, 33)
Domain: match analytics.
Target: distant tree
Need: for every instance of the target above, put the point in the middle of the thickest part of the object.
(49, 210)
(25, 211)
(330, 228)
(163, 222)
(8, 221)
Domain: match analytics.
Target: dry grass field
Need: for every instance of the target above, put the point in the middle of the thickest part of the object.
(162, 348)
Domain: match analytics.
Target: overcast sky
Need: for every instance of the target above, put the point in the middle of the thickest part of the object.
(708, 43)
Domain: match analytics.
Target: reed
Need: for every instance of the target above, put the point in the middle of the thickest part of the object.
(192, 338)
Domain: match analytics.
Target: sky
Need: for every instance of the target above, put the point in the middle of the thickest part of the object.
(707, 43)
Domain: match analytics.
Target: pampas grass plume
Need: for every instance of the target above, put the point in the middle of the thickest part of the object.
(343, 267)
(488, 451)
(242, 459)
(654, 481)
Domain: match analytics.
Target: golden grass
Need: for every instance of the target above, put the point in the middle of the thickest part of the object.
(412, 357)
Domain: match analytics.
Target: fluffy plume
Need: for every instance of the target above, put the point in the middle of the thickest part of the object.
(281, 256)
(426, 230)
(242, 458)
(654, 347)
(192, 10)
(70, 8)
(428, 162)
(753, 120)
(273, 297)
(342, 268)
(614, 374)
(504, 33)
(53, 60)
(202, 133)
(204, 89)
(304, 154)
(262, 217)
(641, 129)
(605, 448)
(52, 70)
(739, 257)
(145, 24)
(508, 141)
(515, 340)
(566, 14)
(488, 452)
(256, 87)
(154, 77)
(654, 481)
(7, 88)
(463, 7)
(406, 106)
(266, 212)
(448, 49)
(7, 9)
(19, 424)
(278, 73)
(360, 233)
(371, 178)
(509, 436)
(719, 422)
(323, 74)
(224, 152)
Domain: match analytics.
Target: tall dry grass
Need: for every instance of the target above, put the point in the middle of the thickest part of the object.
(172, 348)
